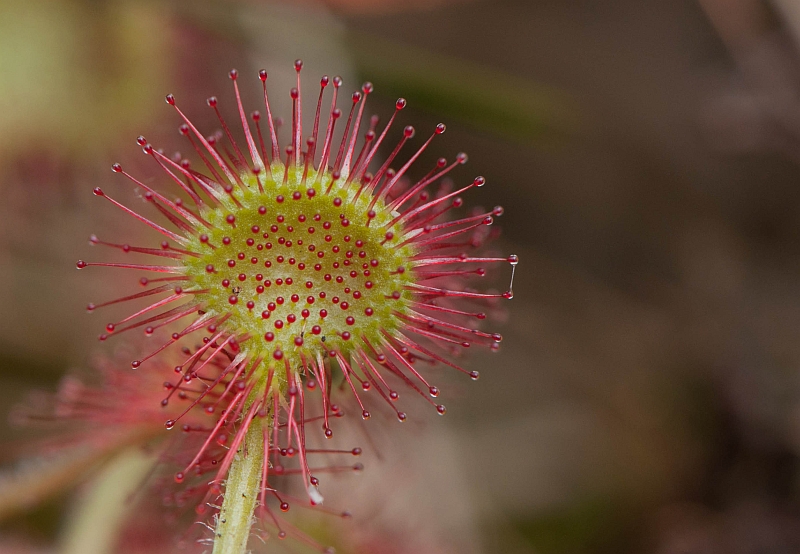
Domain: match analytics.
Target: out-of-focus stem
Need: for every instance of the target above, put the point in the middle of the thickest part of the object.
(241, 493)
(104, 508)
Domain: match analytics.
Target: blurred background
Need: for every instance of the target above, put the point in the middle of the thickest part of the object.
(646, 398)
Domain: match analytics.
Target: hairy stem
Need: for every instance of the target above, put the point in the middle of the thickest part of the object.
(241, 493)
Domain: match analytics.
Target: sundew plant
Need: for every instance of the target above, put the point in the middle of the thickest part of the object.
(303, 268)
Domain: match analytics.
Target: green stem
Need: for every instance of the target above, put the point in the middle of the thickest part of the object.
(241, 493)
